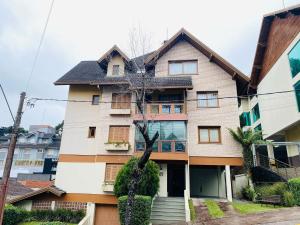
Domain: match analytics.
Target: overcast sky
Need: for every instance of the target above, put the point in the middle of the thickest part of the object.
(84, 30)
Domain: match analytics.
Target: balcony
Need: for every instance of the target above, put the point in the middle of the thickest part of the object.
(116, 146)
(164, 111)
(164, 146)
(120, 111)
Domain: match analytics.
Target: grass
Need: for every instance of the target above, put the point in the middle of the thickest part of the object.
(192, 210)
(40, 223)
(214, 209)
(247, 208)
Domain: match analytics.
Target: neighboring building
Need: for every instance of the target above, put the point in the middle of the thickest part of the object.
(276, 68)
(36, 152)
(195, 151)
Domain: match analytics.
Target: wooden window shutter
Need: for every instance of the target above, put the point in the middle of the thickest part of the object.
(121, 101)
(112, 171)
(118, 134)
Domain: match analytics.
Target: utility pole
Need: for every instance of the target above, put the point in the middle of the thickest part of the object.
(10, 155)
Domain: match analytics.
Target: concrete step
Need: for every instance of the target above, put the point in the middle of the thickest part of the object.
(169, 222)
(169, 214)
(173, 199)
(162, 204)
(167, 218)
(167, 207)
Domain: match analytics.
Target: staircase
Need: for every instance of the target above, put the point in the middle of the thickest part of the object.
(275, 168)
(167, 210)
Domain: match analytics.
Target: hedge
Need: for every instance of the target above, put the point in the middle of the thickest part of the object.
(294, 186)
(14, 215)
(141, 210)
(149, 181)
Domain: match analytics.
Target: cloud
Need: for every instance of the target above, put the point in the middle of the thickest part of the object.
(83, 30)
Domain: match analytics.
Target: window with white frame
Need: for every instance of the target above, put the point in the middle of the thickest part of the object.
(207, 99)
(183, 67)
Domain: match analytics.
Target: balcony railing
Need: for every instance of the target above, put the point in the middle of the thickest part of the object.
(165, 108)
(163, 146)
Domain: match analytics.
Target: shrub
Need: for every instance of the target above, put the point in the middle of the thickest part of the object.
(13, 215)
(63, 215)
(249, 193)
(148, 184)
(294, 185)
(141, 210)
(275, 189)
(288, 199)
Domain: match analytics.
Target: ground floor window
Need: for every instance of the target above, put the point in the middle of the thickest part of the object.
(111, 172)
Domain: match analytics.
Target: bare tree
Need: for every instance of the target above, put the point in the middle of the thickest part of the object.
(139, 85)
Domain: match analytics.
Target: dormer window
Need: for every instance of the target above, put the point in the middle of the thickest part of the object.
(183, 67)
(116, 70)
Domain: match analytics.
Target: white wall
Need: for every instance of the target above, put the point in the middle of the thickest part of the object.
(163, 181)
(80, 177)
(280, 110)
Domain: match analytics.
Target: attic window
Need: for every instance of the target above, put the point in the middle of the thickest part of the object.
(183, 67)
(116, 70)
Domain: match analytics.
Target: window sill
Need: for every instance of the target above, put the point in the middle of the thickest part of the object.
(108, 187)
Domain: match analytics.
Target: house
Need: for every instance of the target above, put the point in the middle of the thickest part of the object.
(276, 69)
(36, 151)
(195, 151)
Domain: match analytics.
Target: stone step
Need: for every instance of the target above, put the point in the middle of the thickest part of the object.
(170, 214)
(164, 222)
(162, 204)
(173, 199)
(160, 207)
(167, 218)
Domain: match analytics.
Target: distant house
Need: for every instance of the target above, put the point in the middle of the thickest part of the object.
(276, 68)
(36, 152)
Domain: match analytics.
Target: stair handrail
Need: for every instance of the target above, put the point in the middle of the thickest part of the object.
(277, 163)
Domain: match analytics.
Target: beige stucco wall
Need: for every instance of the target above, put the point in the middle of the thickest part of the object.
(80, 177)
(80, 116)
(278, 111)
(210, 78)
(117, 60)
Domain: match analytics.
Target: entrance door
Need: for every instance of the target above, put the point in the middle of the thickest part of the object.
(176, 180)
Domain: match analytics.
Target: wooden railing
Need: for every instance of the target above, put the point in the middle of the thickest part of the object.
(164, 146)
(165, 108)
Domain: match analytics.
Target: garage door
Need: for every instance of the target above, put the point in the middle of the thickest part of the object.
(106, 215)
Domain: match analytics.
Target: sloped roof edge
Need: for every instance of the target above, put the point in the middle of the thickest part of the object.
(52, 189)
(213, 56)
(114, 48)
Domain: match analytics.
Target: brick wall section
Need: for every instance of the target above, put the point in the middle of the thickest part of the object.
(70, 205)
(41, 205)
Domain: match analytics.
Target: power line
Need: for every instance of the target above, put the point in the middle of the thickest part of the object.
(39, 46)
(34, 99)
(12, 116)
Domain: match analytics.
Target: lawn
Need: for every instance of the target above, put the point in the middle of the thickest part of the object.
(214, 209)
(42, 223)
(247, 208)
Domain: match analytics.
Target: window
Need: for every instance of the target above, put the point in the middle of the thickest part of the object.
(297, 92)
(116, 70)
(294, 58)
(209, 134)
(111, 172)
(183, 67)
(172, 135)
(255, 113)
(207, 99)
(96, 100)
(92, 132)
(121, 101)
(118, 134)
(245, 119)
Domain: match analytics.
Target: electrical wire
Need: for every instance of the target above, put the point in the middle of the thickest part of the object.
(166, 101)
(39, 46)
(8, 106)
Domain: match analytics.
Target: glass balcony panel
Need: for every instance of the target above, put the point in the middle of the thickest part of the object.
(154, 109)
(140, 146)
(166, 109)
(180, 146)
(178, 108)
(166, 146)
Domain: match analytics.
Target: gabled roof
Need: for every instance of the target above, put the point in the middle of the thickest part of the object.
(213, 56)
(263, 38)
(115, 48)
(50, 189)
